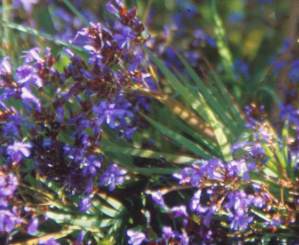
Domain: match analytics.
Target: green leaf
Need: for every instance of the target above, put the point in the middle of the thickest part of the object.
(42, 35)
(43, 18)
(84, 222)
(198, 104)
(217, 86)
(43, 238)
(181, 126)
(269, 90)
(126, 160)
(179, 139)
(173, 158)
(223, 49)
(115, 204)
(213, 100)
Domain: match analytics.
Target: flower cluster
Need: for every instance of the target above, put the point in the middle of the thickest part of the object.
(9, 218)
(224, 199)
(53, 118)
(222, 189)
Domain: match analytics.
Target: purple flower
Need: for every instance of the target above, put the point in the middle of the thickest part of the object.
(241, 68)
(60, 114)
(112, 177)
(251, 149)
(149, 82)
(27, 4)
(115, 115)
(238, 205)
(189, 175)
(29, 97)
(129, 132)
(192, 56)
(278, 65)
(33, 226)
(85, 204)
(195, 204)
(27, 76)
(32, 56)
(206, 212)
(136, 61)
(11, 128)
(212, 169)
(135, 237)
(200, 170)
(238, 202)
(259, 201)
(286, 45)
(238, 168)
(8, 220)
(158, 199)
(113, 6)
(184, 239)
(168, 233)
(5, 67)
(124, 36)
(18, 151)
(240, 222)
(92, 165)
(80, 238)
(294, 71)
(202, 37)
(179, 211)
(84, 39)
(290, 113)
(8, 184)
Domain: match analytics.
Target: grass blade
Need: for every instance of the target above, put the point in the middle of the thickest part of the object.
(42, 35)
(179, 139)
(143, 153)
(199, 105)
(223, 49)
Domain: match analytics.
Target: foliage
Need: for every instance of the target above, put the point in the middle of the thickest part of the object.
(122, 132)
